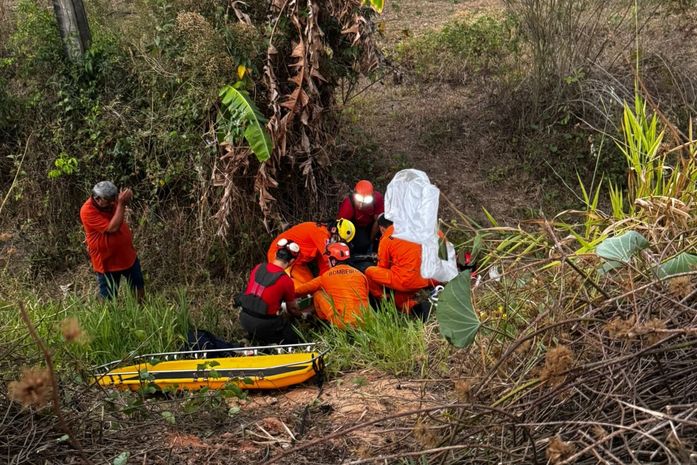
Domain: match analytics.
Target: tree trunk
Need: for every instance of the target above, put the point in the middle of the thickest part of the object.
(72, 22)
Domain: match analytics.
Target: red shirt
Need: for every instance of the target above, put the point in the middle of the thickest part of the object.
(365, 216)
(283, 290)
(108, 251)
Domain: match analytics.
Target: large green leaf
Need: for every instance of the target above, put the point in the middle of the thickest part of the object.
(240, 112)
(681, 263)
(618, 250)
(455, 313)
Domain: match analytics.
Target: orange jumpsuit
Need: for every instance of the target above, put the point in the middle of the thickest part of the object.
(313, 239)
(398, 269)
(340, 295)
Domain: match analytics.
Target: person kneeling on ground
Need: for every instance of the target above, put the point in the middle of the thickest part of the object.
(362, 207)
(340, 295)
(312, 238)
(109, 240)
(269, 286)
(398, 269)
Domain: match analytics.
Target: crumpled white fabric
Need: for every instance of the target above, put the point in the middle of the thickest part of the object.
(411, 202)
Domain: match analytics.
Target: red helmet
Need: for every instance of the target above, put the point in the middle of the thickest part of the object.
(363, 192)
(339, 251)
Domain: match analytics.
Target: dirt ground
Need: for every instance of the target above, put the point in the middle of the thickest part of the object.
(266, 427)
(449, 131)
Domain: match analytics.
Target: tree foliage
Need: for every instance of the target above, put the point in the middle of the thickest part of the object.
(143, 108)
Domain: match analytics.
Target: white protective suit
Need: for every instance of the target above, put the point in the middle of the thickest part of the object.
(411, 202)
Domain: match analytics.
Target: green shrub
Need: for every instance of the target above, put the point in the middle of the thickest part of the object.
(387, 340)
(471, 46)
(140, 109)
(35, 43)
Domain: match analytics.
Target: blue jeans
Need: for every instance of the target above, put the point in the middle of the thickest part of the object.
(109, 281)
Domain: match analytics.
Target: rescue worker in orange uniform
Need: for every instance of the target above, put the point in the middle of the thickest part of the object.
(340, 295)
(313, 239)
(398, 269)
(109, 240)
(362, 207)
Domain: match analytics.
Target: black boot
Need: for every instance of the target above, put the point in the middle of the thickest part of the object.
(422, 310)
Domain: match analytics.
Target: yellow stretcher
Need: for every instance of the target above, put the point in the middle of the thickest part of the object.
(253, 368)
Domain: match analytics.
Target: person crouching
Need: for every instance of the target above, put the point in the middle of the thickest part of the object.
(340, 296)
(269, 286)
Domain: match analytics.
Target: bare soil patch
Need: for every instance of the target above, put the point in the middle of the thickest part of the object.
(268, 424)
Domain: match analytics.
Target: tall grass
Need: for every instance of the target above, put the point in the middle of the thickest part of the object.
(386, 340)
(124, 328)
(109, 330)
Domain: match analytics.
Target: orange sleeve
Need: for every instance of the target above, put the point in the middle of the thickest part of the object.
(93, 221)
(384, 249)
(309, 287)
(320, 236)
(384, 253)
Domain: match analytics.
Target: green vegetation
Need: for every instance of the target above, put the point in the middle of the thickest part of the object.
(145, 107)
(649, 172)
(651, 216)
(387, 340)
(241, 118)
(99, 332)
(590, 305)
(580, 323)
(473, 46)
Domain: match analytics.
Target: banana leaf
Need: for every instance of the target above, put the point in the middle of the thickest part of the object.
(242, 113)
(681, 263)
(455, 313)
(618, 250)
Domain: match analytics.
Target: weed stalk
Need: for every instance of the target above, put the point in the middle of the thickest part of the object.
(54, 384)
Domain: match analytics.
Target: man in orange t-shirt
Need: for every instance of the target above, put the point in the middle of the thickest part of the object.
(398, 268)
(313, 239)
(109, 240)
(340, 295)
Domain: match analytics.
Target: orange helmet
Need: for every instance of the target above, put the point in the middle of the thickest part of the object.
(363, 192)
(339, 251)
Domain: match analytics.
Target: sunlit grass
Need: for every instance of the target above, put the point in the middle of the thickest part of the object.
(387, 340)
(109, 330)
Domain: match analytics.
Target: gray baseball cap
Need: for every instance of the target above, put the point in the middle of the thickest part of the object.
(105, 190)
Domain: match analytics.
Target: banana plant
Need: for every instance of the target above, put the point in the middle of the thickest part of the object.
(240, 118)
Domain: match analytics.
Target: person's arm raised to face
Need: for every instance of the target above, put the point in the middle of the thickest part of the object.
(124, 197)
